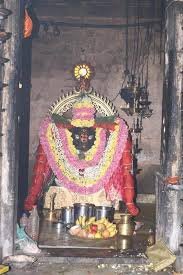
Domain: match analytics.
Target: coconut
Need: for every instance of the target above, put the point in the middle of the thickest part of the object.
(74, 230)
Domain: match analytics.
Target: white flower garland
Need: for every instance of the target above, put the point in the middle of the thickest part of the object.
(90, 173)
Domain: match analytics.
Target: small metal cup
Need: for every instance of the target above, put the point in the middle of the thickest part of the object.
(59, 226)
(104, 212)
(81, 209)
(67, 215)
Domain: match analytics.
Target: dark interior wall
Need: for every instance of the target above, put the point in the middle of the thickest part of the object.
(57, 9)
(53, 60)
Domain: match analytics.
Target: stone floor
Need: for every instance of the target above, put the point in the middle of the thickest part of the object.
(82, 269)
(91, 262)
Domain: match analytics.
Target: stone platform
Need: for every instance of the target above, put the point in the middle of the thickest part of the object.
(98, 260)
(59, 245)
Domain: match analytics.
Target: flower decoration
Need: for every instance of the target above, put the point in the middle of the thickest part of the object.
(98, 173)
(83, 112)
(83, 70)
(89, 174)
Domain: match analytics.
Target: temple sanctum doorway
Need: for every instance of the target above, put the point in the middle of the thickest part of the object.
(130, 68)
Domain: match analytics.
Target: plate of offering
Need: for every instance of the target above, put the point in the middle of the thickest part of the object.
(92, 229)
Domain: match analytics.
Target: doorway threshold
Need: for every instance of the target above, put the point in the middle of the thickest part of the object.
(92, 256)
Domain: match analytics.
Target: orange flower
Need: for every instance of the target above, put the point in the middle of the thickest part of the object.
(28, 25)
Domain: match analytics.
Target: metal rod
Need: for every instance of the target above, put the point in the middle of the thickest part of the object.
(137, 39)
(126, 34)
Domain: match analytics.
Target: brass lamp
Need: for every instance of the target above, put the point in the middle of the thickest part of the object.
(51, 215)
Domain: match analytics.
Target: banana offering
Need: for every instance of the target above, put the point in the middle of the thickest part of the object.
(83, 222)
(92, 229)
(3, 269)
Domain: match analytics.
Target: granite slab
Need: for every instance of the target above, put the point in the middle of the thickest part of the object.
(52, 237)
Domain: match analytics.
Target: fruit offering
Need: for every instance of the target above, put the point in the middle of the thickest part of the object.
(92, 229)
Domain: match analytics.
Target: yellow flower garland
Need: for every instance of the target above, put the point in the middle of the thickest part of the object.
(82, 181)
(83, 122)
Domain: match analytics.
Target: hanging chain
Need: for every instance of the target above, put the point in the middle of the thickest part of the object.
(126, 72)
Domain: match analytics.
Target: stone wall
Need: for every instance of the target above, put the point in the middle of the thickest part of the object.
(53, 60)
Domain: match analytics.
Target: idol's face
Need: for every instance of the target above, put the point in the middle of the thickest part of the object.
(83, 138)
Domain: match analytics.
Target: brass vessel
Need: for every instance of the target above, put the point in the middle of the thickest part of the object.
(151, 238)
(126, 225)
(51, 215)
(124, 242)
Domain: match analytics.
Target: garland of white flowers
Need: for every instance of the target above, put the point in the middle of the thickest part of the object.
(93, 178)
(93, 172)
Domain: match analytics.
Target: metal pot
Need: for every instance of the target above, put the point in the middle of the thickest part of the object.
(124, 242)
(126, 226)
(83, 209)
(91, 212)
(59, 227)
(104, 212)
(67, 215)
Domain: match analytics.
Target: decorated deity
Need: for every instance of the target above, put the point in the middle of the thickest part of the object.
(88, 154)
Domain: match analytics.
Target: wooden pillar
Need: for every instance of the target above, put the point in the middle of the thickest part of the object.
(169, 207)
(171, 153)
(169, 214)
(9, 146)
